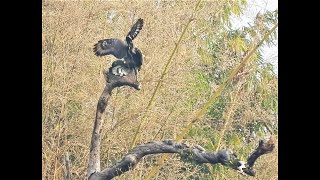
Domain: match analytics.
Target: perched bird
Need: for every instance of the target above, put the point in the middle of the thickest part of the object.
(123, 50)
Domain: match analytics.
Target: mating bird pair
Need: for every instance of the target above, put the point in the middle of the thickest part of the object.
(130, 56)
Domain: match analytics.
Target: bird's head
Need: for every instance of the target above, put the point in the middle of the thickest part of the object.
(137, 53)
(137, 56)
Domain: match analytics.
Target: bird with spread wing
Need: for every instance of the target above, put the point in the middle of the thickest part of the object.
(123, 50)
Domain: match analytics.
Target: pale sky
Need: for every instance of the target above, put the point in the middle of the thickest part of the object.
(270, 54)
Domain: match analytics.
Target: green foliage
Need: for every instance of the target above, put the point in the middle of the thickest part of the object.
(200, 88)
(255, 112)
(233, 7)
(217, 109)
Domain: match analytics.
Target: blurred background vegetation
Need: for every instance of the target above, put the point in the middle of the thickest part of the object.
(211, 48)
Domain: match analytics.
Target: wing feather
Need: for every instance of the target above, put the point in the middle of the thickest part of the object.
(115, 47)
(133, 33)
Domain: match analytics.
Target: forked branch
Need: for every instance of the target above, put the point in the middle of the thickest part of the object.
(195, 154)
(130, 79)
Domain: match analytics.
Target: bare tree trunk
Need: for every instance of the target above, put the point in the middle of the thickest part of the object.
(112, 81)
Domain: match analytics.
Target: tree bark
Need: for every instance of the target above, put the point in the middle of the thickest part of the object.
(195, 154)
(112, 81)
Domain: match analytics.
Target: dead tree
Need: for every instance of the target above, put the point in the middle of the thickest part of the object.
(188, 153)
(112, 80)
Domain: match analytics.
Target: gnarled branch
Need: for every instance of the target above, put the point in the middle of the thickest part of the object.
(113, 80)
(119, 75)
(195, 154)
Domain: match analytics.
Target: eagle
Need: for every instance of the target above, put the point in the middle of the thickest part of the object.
(123, 50)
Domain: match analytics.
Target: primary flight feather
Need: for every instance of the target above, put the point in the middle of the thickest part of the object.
(123, 49)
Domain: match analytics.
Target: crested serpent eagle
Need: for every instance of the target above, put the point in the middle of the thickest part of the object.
(123, 50)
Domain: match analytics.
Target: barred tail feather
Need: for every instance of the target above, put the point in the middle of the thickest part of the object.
(136, 28)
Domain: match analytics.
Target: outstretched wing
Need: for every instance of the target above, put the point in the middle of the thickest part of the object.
(133, 33)
(115, 47)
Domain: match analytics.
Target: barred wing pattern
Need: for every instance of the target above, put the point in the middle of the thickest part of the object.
(115, 47)
(133, 33)
(123, 50)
